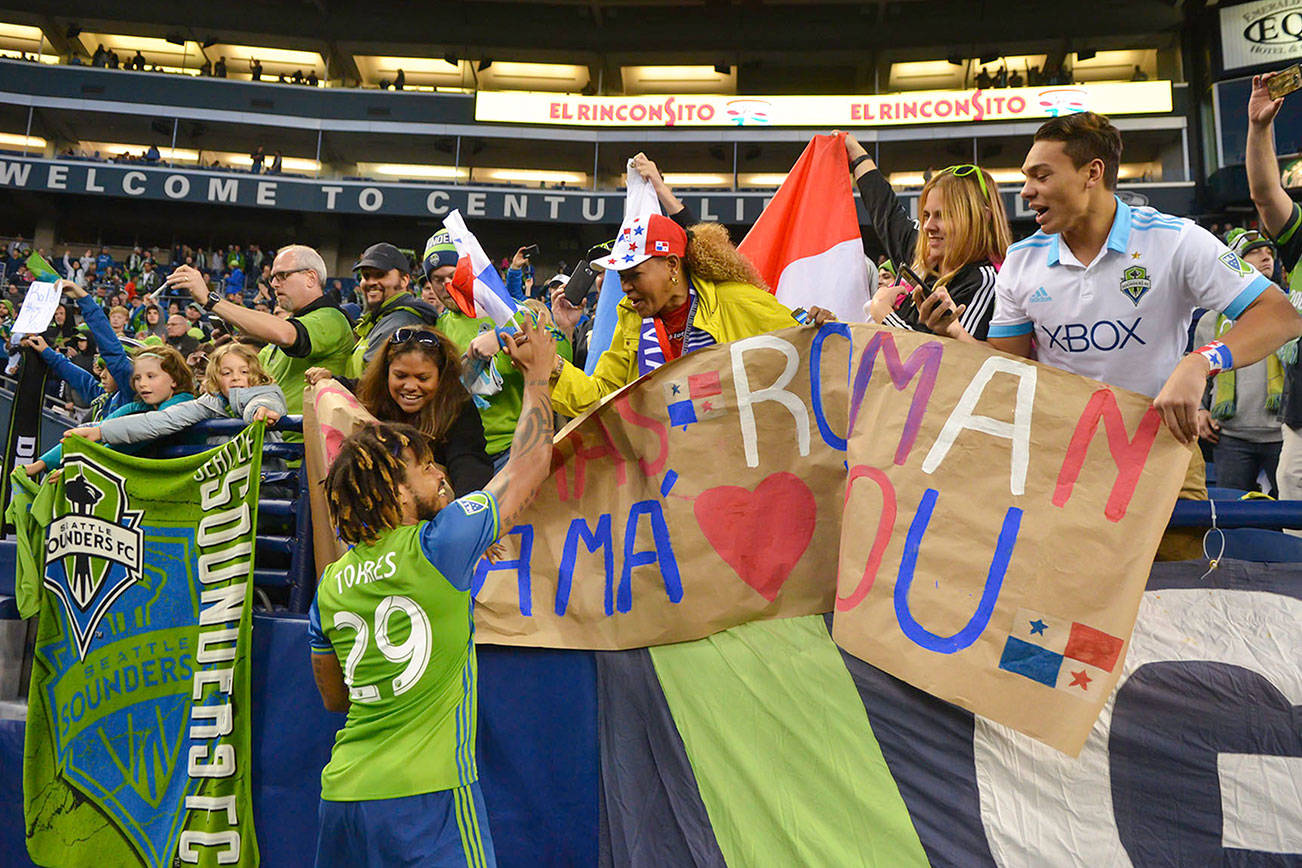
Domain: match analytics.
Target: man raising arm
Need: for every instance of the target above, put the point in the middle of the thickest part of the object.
(1282, 219)
(317, 333)
(391, 631)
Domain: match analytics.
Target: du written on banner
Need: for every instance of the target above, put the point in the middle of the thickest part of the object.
(138, 723)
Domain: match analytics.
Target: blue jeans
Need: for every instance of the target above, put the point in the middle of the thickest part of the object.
(1240, 462)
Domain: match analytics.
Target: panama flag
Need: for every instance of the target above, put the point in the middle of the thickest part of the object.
(487, 295)
(694, 398)
(639, 201)
(1067, 655)
(806, 244)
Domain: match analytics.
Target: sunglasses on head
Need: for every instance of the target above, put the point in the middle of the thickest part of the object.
(964, 169)
(409, 335)
(420, 336)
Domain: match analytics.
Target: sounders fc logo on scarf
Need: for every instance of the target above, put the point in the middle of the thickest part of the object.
(93, 553)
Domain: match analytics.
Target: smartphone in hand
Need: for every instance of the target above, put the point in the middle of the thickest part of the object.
(921, 293)
(1284, 82)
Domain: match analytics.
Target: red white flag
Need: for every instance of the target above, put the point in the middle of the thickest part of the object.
(806, 244)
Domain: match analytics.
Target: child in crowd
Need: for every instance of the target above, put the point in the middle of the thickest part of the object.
(103, 389)
(235, 386)
(160, 378)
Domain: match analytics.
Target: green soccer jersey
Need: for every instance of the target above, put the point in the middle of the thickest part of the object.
(331, 337)
(397, 613)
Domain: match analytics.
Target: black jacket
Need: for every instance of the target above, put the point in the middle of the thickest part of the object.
(973, 285)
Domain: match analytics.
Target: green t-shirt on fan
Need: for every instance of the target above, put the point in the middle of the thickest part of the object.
(332, 342)
(503, 410)
(397, 614)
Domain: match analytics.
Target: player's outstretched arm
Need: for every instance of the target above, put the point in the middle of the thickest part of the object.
(533, 351)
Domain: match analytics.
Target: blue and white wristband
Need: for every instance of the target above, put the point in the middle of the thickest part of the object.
(1218, 356)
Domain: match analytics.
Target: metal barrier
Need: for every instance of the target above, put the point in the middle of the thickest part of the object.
(293, 515)
(1260, 513)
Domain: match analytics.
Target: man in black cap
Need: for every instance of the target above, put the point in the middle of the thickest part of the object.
(384, 278)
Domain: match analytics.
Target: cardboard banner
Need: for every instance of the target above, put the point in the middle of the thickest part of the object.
(984, 535)
(138, 724)
(705, 495)
(330, 414)
(1000, 522)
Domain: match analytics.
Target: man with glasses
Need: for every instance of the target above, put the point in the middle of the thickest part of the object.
(316, 334)
(384, 278)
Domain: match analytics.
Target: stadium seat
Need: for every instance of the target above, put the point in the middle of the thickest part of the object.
(8, 566)
(1263, 546)
(1216, 493)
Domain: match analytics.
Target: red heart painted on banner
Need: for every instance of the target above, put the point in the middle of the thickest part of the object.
(760, 533)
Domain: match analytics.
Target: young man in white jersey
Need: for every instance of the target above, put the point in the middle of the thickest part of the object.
(1108, 291)
(392, 636)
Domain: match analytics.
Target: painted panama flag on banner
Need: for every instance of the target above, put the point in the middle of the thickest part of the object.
(138, 728)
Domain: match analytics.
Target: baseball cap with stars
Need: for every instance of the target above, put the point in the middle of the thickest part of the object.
(642, 237)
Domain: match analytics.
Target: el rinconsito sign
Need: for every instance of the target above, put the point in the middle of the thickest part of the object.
(893, 109)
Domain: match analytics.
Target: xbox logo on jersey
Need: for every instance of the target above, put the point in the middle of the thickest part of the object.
(93, 553)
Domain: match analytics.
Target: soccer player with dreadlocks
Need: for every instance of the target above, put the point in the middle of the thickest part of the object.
(391, 631)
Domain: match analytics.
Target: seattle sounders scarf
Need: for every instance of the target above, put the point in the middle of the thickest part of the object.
(1224, 397)
(650, 355)
(138, 749)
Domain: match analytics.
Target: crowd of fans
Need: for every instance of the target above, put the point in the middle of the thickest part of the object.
(116, 307)
(469, 405)
(403, 336)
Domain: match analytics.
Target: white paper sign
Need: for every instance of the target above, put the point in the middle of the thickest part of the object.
(38, 308)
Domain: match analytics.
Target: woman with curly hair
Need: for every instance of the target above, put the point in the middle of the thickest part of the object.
(415, 379)
(683, 290)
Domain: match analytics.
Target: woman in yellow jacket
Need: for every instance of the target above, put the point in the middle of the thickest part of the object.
(683, 290)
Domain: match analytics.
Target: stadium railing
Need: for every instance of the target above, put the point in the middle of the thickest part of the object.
(284, 556)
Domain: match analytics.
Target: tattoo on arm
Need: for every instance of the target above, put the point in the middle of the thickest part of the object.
(516, 485)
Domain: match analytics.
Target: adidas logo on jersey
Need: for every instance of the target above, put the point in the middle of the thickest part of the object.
(1040, 295)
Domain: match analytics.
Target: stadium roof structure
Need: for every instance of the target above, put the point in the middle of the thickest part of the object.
(713, 31)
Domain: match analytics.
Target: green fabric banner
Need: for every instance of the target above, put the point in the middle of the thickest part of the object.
(138, 728)
(782, 749)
